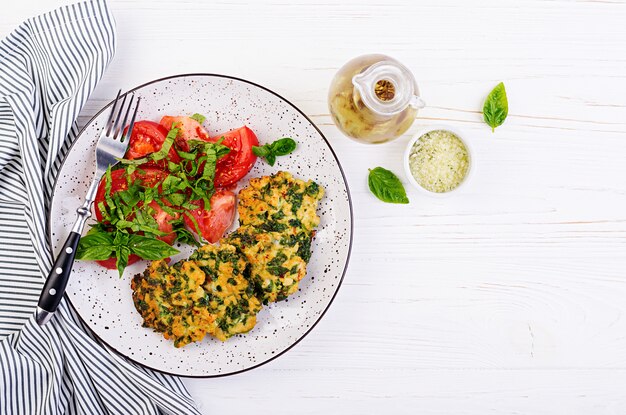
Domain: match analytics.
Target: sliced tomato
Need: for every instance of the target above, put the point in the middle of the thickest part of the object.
(236, 164)
(190, 129)
(111, 262)
(149, 177)
(147, 138)
(213, 223)
(164, 221)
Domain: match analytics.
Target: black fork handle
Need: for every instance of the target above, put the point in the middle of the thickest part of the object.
(59, 275)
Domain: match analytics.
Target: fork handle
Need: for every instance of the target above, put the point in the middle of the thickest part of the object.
(54, 288)
(59, 275)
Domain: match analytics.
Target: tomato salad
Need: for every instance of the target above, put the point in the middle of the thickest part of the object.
(174, 184)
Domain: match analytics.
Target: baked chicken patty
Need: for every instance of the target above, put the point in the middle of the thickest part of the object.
(280, 203)
(277, 260)
(229, 295)
(168, 299)
(207, 294)
(220, 288)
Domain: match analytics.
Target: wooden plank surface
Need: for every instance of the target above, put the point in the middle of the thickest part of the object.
(509, 299)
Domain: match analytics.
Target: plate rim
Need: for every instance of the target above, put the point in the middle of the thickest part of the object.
(345, 268)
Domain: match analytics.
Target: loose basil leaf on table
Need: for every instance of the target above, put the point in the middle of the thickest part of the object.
(496, 107)
(270, 151)
(386, 186)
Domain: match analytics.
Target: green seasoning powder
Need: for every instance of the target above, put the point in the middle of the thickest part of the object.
(439, 161)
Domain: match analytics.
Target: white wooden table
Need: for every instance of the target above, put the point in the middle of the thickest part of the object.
(508, 300)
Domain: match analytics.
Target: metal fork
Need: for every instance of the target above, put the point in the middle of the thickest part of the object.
(111, 145)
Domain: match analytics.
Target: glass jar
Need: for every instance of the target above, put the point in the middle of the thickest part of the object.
(374, 99)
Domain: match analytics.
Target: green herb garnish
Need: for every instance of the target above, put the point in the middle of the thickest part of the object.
(95, 246)
(198, 117)
(150, 248)
(100, 244)
(386, 186)
(280, 147)
(496, 107)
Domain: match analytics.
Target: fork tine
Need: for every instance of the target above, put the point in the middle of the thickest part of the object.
(109, 122)
(121, 134)
(132, 121)
(118, 118)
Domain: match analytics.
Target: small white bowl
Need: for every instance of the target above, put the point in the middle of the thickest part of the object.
(407, 153)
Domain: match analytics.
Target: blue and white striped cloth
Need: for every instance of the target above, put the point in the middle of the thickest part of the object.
(48, 67)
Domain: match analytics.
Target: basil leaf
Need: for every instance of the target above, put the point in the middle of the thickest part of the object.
(149, 248)
(186, 237)
(158, 155)
(104, 211)
(121, 239)
(283, 146)
(173, 167)
(185, 155)
(123, 224)
(167, 144)
(261, 151)
(130, 169)
(209, 167)
(108, 182)
(171, 183)
(168, 209)
(121, 254)
(148, 194)
(133, 162)
(280, 147)
(222, 150)
(271, 159)
(151, 230)
(196, 226)
(189, 206)
(198, 117)
(386, 186)
(496, 107)
(96, 246)
(176, 199)
(130, 196)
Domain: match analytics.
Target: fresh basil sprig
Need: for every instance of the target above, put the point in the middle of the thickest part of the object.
(496, 107)
(386, 186)
(100, 244)
(270, 151)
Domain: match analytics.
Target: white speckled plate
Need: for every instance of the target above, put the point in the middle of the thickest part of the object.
(103, 300)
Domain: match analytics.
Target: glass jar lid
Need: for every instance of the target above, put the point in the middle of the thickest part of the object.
(387, 88)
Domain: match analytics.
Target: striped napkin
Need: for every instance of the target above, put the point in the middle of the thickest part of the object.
(48, 67)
